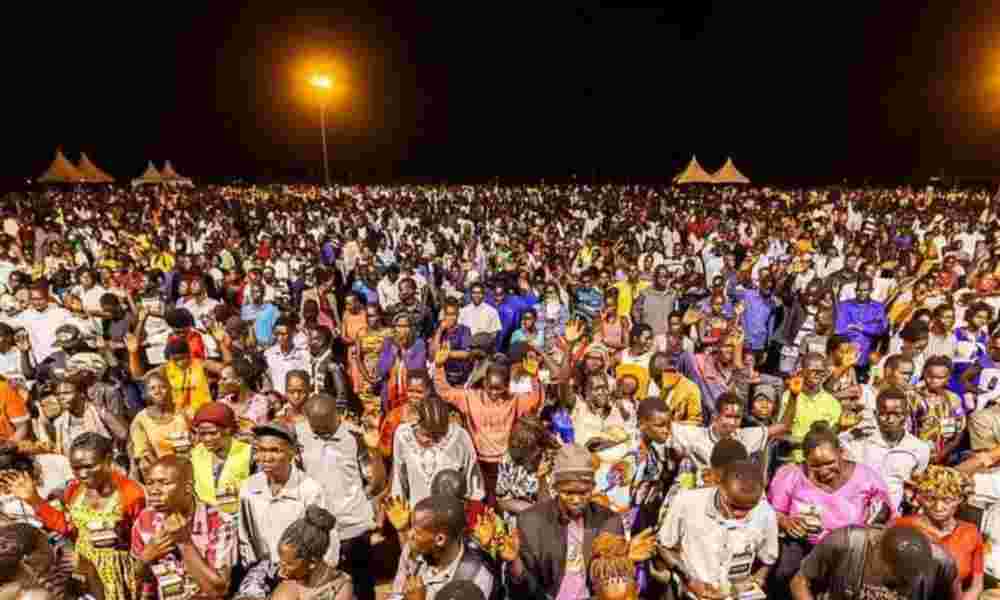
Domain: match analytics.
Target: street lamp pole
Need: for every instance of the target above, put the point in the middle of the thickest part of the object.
(324, 84)
(322, 127)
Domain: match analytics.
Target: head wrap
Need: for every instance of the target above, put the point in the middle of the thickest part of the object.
(217, 413)
(943, 481)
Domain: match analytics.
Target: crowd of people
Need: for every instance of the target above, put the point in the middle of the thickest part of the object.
(547, 391)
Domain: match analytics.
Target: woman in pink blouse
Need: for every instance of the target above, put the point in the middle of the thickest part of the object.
(824, 493)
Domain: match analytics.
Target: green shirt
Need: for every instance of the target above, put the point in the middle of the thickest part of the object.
(821, 406)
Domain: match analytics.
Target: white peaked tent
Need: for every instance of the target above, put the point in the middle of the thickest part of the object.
(61, 171)
(693, 173)
(149, 176)
(91, 173)
(170, 176)
(729, 174)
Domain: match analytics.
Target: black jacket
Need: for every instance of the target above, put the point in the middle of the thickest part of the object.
(543, 546)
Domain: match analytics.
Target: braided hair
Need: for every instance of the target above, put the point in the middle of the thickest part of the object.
(310, 535)
(610, 562)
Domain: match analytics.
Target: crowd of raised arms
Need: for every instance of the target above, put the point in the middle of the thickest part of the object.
(555, 392)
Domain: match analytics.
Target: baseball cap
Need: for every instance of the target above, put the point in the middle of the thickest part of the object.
(279, 429)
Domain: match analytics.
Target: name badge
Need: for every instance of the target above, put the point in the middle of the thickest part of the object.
(168, 581)
(102, 534)
(949, 427)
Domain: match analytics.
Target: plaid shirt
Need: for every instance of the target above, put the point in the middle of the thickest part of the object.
(213, 533)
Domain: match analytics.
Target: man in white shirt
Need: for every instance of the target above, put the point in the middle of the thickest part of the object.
(388, 288)
(41, 321)
(479, 316)
(890, 450)
(714, 537)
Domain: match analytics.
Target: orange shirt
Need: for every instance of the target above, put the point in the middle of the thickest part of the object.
(355, 325)
(14, 412)
(965, 544)
(490, 422)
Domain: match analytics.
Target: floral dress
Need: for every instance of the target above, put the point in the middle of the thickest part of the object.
(936, 419)
(114, 566)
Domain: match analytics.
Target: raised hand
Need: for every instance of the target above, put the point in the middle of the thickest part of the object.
(132, 343)
(21, 486)
(574, 330)
(642, 546)
(398, 511)
(510, 547)
(484, 529)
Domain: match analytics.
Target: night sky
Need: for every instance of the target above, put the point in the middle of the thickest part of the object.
(460, 92)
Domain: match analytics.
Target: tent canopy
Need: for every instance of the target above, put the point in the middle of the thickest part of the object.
(170, 176)
(150, 175)
(91, 173)
(61, 171)
(729, 174)
(693, 173)
(168, 171)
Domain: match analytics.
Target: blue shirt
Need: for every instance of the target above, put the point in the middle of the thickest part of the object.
(263, 316)
(758, 315)
(871, 318)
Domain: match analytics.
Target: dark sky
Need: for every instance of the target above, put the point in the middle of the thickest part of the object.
(457, 91)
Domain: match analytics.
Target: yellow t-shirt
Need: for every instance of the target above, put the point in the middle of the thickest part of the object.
(821, 406)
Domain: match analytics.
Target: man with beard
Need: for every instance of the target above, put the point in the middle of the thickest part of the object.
(325, 373)
(654, 306)
(556, 535)
(895, 454)
(179, 540)
(437, 553)
(862, 321)
(270, 501)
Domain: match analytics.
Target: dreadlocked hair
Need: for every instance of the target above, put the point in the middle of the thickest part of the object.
(310, 535)
(610, 560)
(432, 414)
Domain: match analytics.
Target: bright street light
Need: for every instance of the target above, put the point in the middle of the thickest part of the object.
(323, 82)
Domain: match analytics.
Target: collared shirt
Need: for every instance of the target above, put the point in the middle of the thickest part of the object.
(697, 443)
(213, 534)
(264, 517)
(435, 579)
(41, 327)
(896, 464)
(335, 464)
(712, 547)
(480, 319)
(414, 466)
(279, 364)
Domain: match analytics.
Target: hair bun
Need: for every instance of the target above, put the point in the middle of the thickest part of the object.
(320, 518)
